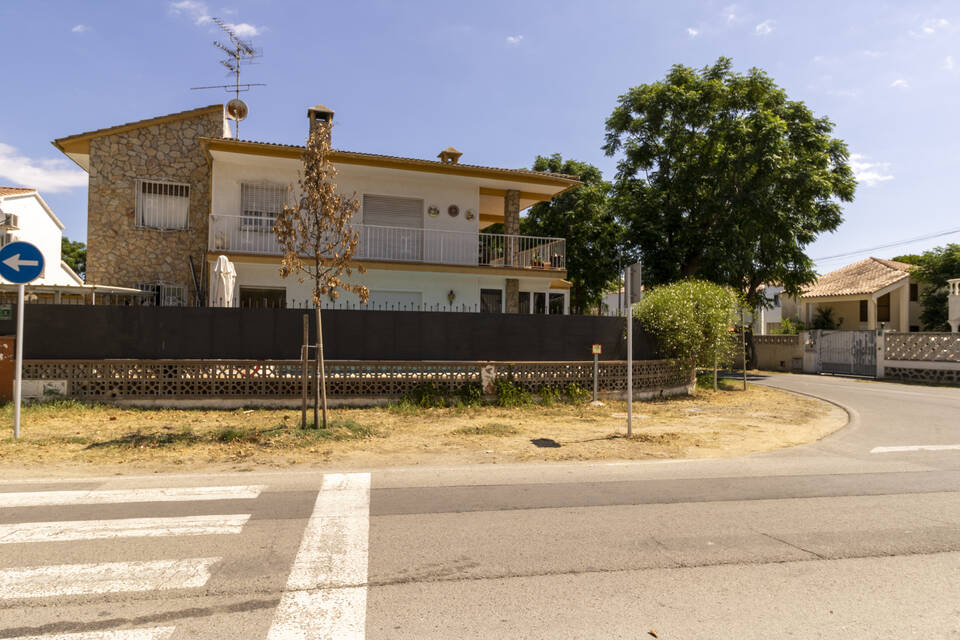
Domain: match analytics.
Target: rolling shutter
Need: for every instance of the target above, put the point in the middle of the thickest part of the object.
(388, 211)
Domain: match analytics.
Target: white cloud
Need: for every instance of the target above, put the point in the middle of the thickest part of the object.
(764, 28)
(244, 30)
(900, 83)
(869, 173)
(196, 11)
(871, 53)
(693, 33)
(931, 26)
(948, 63)
(514, 40)
(731, 13)
(80, 28)
(200, 14)
(44, 175)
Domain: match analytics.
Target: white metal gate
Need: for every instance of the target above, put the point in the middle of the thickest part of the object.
(848, 352)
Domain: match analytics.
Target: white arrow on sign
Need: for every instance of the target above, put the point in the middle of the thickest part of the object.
(14, 262)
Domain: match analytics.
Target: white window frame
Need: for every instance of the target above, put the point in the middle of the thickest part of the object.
(171, 295)
(259, 210)
(169, 198)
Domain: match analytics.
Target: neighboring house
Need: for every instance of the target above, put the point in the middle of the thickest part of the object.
(769, 318)
(25, 216)
(171, 194)
(865, 295)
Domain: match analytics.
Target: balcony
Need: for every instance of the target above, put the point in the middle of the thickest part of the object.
(254, 235)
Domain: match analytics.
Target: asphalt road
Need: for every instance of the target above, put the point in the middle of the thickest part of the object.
(855, 536)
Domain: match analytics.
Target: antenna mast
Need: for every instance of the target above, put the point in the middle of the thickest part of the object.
(238, 52)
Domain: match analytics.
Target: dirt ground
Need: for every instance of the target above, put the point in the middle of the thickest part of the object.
(70, 438)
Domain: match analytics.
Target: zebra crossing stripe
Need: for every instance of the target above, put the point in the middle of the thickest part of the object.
(326, 592)
(156, 633)
(107, 577)
(22, 532)
(184, 494)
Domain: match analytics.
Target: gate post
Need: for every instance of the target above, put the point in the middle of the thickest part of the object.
(811, 351)
(881, 349)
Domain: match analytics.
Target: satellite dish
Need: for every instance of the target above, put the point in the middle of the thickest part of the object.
(237, 109)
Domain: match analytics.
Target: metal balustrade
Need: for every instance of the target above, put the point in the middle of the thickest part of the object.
(254, 235)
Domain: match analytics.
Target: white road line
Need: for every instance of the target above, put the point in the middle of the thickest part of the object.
(51, 498)
(919, 447)
(326, 593)
(108, 577)
(156, 633)
(124, 528)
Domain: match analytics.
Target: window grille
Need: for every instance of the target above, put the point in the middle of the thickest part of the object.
(162, 205)
(7, 238)
(165, 295)
(261, 203)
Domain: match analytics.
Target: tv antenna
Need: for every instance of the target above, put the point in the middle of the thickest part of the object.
(238, 52)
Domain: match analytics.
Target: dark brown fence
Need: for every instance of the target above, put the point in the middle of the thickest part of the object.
(143, 333)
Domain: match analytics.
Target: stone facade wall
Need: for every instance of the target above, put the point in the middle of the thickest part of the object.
(119, 252)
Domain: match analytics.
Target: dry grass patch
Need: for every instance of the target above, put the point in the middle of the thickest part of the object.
(65, 436)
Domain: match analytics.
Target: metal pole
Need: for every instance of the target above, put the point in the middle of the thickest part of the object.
(596, 372)
(743, 345)
(627, 299)
(18, 367)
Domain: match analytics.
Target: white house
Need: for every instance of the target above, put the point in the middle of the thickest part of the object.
(420, 225)
(173, 193)
(26, 217)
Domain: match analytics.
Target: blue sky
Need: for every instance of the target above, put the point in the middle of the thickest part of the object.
(501, 81)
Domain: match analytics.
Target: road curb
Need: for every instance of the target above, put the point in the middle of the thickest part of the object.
(853, 416)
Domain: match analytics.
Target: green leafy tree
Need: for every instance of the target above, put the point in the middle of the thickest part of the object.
(75, 255)
(724, 178)
(691, 320)
(583, 217)
(936, 267)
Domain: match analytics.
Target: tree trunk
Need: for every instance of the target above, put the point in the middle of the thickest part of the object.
(714, 375)
(320, 393)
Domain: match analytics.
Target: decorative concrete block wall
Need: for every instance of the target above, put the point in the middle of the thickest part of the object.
(120, 253)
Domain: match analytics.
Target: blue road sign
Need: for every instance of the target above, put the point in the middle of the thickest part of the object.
(20, 263)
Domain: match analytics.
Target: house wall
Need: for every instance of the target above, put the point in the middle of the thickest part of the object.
(120, 253)
(441, 191)
(38, 228)
(433, 287)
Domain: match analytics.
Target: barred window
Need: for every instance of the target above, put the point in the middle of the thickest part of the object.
(165, 295)
(260, 204)
(162, 205)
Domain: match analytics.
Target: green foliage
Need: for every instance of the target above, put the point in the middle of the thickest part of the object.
(705, 382)
(691, 320)
(577, 394)
(723, 178)
(550, 396)
(75, 255)
(471, 394)
(510, 394)
(426, 396)
(584, 218)
(824, 319)
(788, 327)
(936, 267)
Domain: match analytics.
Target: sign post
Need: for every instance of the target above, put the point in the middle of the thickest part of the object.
(20, 263)
(597, 350)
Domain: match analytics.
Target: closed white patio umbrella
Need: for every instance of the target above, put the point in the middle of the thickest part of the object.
(223, 284)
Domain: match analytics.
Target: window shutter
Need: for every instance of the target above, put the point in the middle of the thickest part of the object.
(389, 211)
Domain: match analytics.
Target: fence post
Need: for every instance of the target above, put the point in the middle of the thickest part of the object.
(881, 353)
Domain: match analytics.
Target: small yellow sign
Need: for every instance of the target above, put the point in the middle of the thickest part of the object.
(597, 349)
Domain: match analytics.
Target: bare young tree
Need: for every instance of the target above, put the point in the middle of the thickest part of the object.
(318, 241)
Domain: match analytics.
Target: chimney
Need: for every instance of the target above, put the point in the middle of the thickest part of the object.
(449, 156)
(319, 113)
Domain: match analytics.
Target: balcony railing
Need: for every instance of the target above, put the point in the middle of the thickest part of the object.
(251, 234)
